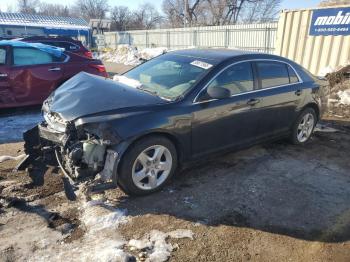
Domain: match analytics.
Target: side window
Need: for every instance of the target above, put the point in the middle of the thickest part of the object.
(292, 76)
(2, 55)
(30, 56)
(237, 78)
(272, 74)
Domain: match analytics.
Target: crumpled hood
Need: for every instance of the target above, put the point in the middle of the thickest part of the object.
(86, 94)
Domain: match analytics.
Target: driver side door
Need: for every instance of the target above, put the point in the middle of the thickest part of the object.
(229, 122)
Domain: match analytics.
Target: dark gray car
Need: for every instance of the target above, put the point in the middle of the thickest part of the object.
(179, 107)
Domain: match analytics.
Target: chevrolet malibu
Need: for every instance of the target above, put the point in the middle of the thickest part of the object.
(177, 108)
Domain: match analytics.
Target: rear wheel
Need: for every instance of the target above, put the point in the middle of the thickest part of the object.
(304, 126)
(147, 166)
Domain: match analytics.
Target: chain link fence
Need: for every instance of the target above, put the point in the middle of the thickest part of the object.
(255, 37)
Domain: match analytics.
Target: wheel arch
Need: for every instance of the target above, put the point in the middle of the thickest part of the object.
(315, 107)
(171, 137)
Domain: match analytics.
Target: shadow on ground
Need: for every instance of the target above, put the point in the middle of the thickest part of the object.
(298, 191)
(302, 192)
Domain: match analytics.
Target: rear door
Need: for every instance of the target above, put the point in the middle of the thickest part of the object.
(34, 75)
(279, 94)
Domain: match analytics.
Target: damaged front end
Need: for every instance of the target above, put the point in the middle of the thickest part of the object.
(78, 150)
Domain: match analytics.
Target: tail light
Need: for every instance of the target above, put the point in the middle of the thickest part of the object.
(100, 68)
(88, 54)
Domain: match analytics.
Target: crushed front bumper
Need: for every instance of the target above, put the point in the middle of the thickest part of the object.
(80, 157)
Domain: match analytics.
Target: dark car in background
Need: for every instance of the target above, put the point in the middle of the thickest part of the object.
(30, 72)
(67, 43)
(176, 108)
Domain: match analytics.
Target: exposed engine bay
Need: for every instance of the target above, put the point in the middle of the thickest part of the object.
(80, 155)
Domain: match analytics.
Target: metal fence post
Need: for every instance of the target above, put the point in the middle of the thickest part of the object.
(168, 39)
(268, 39)
(146, 39)
(227, 40)
(194, 40)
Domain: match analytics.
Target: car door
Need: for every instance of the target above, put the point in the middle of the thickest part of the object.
(279, 94)
(34, 74)
(228, 122)
(5, 90)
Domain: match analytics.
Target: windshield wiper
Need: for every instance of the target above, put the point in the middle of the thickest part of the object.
(147, 90)
(153, 93)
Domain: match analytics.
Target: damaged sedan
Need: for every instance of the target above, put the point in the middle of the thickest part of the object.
(137, 130)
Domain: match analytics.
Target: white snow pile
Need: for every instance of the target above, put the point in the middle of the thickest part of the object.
(16, 158)
(344, 97)
(97, 216)
(101, 241)
(130, 55)
(155, 245)
(331, 69)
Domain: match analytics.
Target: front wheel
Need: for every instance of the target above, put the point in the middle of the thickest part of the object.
(304, 126)
(147, 166)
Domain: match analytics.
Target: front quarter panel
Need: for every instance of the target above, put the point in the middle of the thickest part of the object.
(172, 121)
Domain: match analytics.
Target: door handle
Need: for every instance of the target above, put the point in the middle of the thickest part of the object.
(55, 69)
(3, 75)
(253, 101)
(298, 92)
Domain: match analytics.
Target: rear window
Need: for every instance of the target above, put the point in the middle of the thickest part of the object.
(293, 78)
(2, 55)
(272, 74)
(66, 45)
(32, 56)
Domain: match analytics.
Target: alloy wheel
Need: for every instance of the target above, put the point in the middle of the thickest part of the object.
(152, 167)
(305, 127)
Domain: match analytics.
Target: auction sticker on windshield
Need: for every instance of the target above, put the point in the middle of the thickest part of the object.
(201, 64)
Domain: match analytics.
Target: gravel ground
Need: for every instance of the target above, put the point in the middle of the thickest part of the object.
(274, 202)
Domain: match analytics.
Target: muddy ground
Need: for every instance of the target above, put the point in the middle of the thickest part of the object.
(274, 202)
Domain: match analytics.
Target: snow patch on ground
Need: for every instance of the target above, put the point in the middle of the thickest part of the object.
(155, 245)
(16, 158)
(13, 126)
(130, 55)
(101, 241)
(98, 216)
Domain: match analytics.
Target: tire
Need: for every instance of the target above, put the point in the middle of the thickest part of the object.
(147, 166)
(308, 115)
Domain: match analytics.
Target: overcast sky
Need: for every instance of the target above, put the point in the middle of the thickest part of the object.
(132, 4)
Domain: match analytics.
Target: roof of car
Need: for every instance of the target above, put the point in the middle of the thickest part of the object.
(45, 48)
(214, 54)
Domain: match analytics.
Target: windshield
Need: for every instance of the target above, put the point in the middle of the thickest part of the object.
(169, 76)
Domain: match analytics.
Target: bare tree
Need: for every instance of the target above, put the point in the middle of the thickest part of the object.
(27, 6)
(121, 17)
(174, 12)
(190, 7)
(260, 11)
(89, 9)
(184, 12)
(145, 17)
(53, 10)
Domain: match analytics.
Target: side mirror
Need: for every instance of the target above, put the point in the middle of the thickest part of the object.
(218, 92)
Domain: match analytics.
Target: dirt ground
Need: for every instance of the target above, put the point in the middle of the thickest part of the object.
(275, 202)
